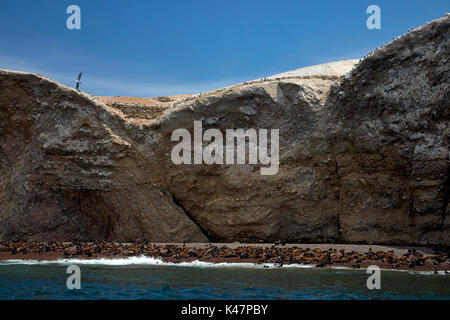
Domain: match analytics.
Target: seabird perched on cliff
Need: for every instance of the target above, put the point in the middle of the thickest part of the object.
(78, 81)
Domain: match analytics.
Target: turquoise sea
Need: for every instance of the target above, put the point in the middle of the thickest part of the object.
(149, 279)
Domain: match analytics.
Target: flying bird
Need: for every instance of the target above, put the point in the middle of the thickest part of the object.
(78, 81)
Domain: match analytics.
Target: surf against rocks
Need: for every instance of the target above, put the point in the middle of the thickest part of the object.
(237, 143)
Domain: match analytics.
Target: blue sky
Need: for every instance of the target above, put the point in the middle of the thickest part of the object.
(154, 48)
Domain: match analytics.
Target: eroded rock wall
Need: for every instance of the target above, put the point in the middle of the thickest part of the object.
(69, 171)
(364, 158)
(389, 124)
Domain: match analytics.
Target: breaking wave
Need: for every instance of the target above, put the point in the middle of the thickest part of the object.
(150, 261)
(142, 260)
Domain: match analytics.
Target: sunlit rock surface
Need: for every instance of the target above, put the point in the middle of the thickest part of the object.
(364, 156)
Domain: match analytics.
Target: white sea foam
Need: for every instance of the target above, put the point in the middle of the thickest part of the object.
(142, 260)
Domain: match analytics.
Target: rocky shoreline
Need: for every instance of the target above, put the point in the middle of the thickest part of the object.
(320, 256)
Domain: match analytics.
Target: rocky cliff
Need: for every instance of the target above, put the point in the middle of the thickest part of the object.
(364, 156)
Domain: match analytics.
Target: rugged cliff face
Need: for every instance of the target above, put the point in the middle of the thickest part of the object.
(389, 125)
(363, 158)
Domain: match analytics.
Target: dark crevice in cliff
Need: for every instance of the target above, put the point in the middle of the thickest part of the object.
(411, 213)
(67, 213)
(446, 197)
(339, 200)
(189, 215)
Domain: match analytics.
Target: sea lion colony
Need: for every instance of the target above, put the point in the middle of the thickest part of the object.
(276, 254)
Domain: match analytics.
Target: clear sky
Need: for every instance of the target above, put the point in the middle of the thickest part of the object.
(153, 48)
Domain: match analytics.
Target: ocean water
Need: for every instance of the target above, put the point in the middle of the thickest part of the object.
(147, 278)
